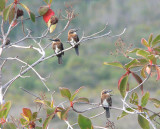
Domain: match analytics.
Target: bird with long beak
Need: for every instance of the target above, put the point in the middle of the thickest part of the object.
(73, 39)
(58, 47)
(106, 101)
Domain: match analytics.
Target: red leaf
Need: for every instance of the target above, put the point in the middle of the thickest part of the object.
(2, 121)
(71, 104)
(149, 49)
(139, 80)
(48, 15)
(27, 112)
(119, 81)
(158, 72)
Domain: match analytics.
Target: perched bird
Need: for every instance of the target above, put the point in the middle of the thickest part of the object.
(73, 39)
(106, 101)
(58, 47)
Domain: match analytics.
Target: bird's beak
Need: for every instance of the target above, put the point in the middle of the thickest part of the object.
(52, 39)
(76, 29)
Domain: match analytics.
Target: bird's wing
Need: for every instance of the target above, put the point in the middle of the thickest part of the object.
(62, 48)
(53, 46)
(109, 100)
(76, 38)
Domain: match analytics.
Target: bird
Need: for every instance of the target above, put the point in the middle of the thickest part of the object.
(106, 101)
(73, 39)
(58, 47)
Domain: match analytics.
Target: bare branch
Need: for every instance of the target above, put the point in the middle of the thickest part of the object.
(3, 64)
(97, 32)
(29, 92)
(2, 24)
(23, 72)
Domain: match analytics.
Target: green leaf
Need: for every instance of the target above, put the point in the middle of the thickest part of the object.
(124, 113)
(75, 93)
(144, 42)
(156, 40)
(64, 113)
(37, 127)
(84, 122)
(50, 1)
(138, 79)
(119, 81)
(156, 102)
(9, 125)
(150, 39)
(153, 116)
(134, 98)
(144, 99)
(139, 63)
(46, 1)
(152, 58)
(6, 12)
(27, 112)
(43, 10)
(7, 105)
(31, 15)
(40, 120)
(25, 117)
(143, 53)
(117, 64)
(24, 122)
(34, 116)
(50, 111)
(45, 102)
(143, 74)
(134, 61)
(142, 62)
(134, 50)
(47, 120)
(65, 92)
(143, 122)
(157, 49)
(156, 105)
(82, 99)
(2, 4)
(123, 86)
(1, 112)
(11, 15)
(25, 7)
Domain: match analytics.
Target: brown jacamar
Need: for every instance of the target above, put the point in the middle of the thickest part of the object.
(58, 47)
(106, 101)
(73, 39)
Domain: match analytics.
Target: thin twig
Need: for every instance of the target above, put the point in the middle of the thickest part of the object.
(30, 93)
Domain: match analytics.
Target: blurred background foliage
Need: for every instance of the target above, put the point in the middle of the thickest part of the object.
(140, 17)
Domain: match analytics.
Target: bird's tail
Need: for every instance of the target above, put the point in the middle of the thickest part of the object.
(107, 112)
(59, 59)
(77, 50)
